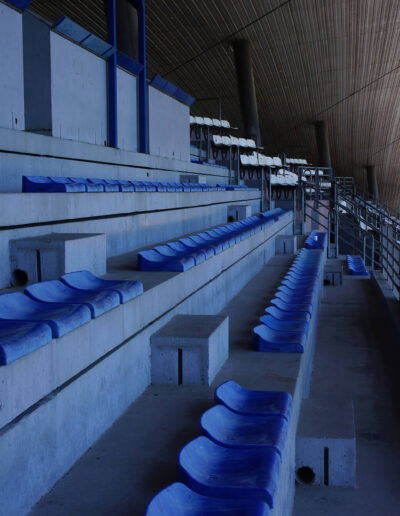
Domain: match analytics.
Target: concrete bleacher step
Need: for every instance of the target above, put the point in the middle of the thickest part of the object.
(326, 443)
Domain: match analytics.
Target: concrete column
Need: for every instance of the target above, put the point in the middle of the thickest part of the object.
(247, 90)
(372, 182)
(127, 29)
(321, 134)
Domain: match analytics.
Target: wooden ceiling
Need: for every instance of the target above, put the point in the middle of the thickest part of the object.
(337, 60)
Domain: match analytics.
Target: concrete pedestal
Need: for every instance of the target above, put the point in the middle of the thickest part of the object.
(326, 444)
(50, 256)
(333, 272)
(189, 350)
(286, 244)
(238, 212)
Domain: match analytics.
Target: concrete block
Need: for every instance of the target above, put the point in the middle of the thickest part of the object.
(189, 350)
(239, 212)
(333, 272)
(286, 244)
(326, 444)
(50, 256)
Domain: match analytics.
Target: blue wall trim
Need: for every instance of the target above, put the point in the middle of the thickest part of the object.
(128, 64)
(112, 76)
(19, 4)
(172, 90)
(74, 31)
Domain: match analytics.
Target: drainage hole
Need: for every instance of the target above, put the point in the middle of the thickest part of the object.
(19, 278)
(305, 475)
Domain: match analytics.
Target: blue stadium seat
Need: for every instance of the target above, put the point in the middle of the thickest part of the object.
(267, 339)
(355, 266)
(214, 470)
(85, 280)
(171, 253)
(45, 184)
(108, 185)
(315, 240)
(139, 186)
(294, 297)
(277, 324)
(178, 500)
(199, 255)
(291, 307)
(198, 244)
(245, 401)
(18, 339)
(160, 187)
(56, 292)
(233, 430)
(152, 260)
(283, 315)
(90, 187)
(62, 318)
(124, 185)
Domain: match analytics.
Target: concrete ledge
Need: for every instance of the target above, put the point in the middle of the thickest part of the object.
(84, 382)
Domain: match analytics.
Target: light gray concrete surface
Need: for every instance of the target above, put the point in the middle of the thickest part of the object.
(49, 378)
(354, 361)
(238, 212)
(189, 350)
(326, 442)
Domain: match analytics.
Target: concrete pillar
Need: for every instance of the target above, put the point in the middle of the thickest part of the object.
(372, 182)
(127, 29)
(321, 134)
(247, 90)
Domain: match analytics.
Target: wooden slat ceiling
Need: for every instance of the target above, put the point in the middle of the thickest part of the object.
(337, 60)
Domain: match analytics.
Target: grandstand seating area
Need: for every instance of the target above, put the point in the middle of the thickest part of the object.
(212, 228)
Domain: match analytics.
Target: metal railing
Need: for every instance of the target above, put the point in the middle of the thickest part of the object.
(351, 220)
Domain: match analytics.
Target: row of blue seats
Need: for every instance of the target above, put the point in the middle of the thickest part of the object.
(284, 326)
(315, 240)
(51, 309)
(233, 468)
(190, 251)
(356, 266)
(81, 184)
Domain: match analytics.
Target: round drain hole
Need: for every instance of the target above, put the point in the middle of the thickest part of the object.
(305, 475)
(19, 278)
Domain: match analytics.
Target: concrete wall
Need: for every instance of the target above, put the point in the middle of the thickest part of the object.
(169, 130)
(78, 92)
(127, 111)
(70, 416)
(11, 70)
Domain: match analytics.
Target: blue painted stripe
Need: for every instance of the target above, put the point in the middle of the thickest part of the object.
(172, 90)
(128, 64)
